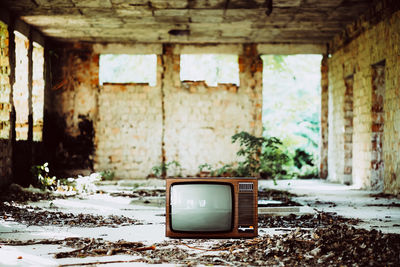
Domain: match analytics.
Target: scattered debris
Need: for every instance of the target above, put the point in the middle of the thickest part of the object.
(99, 262)
(384, 195)
(335, 245)
(329, 203)
(391, 205)
(86, 247)
(314, 239)
(305, 221)
(284, 197)
(97, 247)
(141, 193)
(18, 194)
(36, 216)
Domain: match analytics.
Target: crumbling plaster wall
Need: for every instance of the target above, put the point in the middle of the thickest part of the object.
(137, 126)
(370, 43)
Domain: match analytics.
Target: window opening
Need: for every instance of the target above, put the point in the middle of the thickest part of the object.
(291, 109)
(211, 68)
(20, 88)
(38, 91)
(123, 68)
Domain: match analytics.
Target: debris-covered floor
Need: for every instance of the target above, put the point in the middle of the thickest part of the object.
(309, 222)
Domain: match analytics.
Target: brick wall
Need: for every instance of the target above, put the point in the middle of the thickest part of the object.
(200, 120)
(336, 120)
(137, 126)
(5, 108)
(366, 43)
(128, 129)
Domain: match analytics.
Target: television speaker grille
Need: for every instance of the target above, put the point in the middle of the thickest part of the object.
(246, 209)
(245, 187)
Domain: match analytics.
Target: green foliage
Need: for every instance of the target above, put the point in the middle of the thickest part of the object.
(302, 157)
(262, 156)
(164, 168)
(41, 175)
(159, 170)
(250, 149)
(205, 167)
(225, 171)
(107, 175)
(274, 159)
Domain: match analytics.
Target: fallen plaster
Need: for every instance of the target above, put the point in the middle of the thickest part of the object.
(315, 195)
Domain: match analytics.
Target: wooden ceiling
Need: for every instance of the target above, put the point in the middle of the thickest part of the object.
(190, 21)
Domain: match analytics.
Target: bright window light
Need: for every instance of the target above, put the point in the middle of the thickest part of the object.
(211, 68)
(128, 69)
(38, 91)
(20, 88)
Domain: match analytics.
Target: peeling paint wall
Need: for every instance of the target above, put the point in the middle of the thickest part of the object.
(375, 43)
(137, 126)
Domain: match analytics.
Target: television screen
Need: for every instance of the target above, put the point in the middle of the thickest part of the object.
(201, 207)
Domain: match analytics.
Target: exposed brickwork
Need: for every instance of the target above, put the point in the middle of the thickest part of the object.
(377, 127)
(5, 107)
(323, 166)
(250, 74)
(138, 126)
(73, 112)
(75, 88)
(348, 131)
(200, 120)
(128, 129)
(376, 42)
(383, 10)
(336, 121)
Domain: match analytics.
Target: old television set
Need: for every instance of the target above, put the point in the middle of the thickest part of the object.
(211, 207)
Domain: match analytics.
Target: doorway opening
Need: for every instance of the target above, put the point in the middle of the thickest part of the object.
(291, 109)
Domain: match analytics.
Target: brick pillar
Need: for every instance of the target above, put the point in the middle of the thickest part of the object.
(377, 127)
(348, 131)
(323, 166)
(250, 73)
(171, 67)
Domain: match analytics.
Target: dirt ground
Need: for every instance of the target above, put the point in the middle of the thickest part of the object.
(122, 224)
